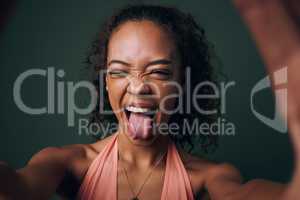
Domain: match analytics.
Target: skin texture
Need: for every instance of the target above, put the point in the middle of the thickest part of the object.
(149, 64)
(277, 36)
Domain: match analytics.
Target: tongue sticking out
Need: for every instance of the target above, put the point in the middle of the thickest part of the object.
(139, 126)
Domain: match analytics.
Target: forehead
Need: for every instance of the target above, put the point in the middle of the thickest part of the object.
(141, 40)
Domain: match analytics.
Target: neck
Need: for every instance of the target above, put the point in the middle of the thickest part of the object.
(142, 153)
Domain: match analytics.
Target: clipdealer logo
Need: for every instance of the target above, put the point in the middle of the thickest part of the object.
(56, 89)
(53, 84)
(280, 80)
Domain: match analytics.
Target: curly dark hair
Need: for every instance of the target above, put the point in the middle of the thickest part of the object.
(196, 53)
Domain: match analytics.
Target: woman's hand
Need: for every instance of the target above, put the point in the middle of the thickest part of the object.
(39, 179)
(275, 27)
(10, 183)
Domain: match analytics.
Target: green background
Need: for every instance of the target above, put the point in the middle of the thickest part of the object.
(58, 33)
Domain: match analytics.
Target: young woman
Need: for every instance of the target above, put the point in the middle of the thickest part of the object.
(146, 51)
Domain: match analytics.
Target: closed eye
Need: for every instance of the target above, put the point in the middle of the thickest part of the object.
(162, 72)
(117, 73)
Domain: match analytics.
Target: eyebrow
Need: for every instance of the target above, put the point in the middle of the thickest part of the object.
(155, 62)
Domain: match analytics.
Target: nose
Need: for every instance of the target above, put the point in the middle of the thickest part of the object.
(137, 86)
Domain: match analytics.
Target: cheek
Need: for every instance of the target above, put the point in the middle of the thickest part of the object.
(168, 97)
(116, 90)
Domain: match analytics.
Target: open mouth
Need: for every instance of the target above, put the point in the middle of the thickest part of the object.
(142, 111)
(140, 121)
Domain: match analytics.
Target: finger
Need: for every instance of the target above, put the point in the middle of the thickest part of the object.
(294, 127)
(277, 37)
(273, 29)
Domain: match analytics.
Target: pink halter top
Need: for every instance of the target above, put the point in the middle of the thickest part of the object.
(100, 182)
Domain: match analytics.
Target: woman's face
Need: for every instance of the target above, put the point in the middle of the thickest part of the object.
(142, 67)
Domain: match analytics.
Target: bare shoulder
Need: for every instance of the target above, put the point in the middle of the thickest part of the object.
(226, 171)
(201, 170)
(197, 168)
(58, 169)
(211, 168)
(71, 157)
(82, 155)
(54, 155)
(97, 147)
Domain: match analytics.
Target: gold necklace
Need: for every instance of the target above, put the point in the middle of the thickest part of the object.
(135, 195)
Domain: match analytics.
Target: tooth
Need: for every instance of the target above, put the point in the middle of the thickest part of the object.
(137, 109)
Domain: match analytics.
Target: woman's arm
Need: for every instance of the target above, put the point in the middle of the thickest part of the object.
(224, 182)
(275, 27)
(38, 180)
(10, 183)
